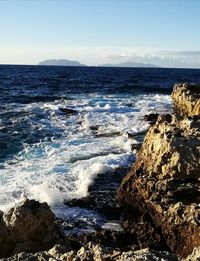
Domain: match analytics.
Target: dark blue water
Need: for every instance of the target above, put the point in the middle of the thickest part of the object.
(34, 84)
(26, 84)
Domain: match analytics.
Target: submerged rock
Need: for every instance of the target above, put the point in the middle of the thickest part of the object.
(68, 111)
(107, 134)
(152, 117)
(163, 187)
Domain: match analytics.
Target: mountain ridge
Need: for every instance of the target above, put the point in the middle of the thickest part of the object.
(129, 64)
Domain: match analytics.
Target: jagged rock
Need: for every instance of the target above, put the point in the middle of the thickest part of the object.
(195, 256)
(29, 227)
(94, 252)
(186, 98)
(144, 255)
(163, 186)
(97, 252)
(57, 251)
(152, 117)
(31, 220)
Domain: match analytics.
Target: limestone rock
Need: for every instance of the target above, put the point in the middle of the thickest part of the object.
(195, 256)
(186, 98)
(28, 227)
(29, 221)
(92, 252)
(145, 255)
(164, 183)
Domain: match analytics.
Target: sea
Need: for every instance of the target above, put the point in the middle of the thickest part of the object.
(50, 154)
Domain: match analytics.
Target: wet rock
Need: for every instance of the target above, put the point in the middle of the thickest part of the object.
(135, 135)
(102, 193)
(102, 202)
(107, 134)
(68, 111)
(186, 99)
(94, 128)
(29, 227)
(163, 186)
(152, 117)
(136, 146)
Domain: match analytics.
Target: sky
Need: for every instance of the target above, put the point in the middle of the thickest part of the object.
(161, 32)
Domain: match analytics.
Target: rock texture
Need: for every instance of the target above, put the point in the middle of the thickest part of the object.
(195, 256)
(29, 227)
(186, 98)
(163, 186)
(93, 252)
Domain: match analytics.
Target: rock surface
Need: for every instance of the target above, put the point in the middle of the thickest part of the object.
(186, 98)
(93, 252)
(195, 256)
(68, 111)
(152, 117)
(28, 227)
(163, 186)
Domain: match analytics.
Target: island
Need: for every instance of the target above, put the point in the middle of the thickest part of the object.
(60, 62)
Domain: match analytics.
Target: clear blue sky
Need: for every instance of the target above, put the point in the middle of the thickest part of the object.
(95, 31)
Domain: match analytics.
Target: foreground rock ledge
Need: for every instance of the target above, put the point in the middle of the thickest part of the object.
(93, 252)
(164, 183)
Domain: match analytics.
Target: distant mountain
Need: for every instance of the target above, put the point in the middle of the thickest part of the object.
(61, 62)
(128, 64)
(65, 62)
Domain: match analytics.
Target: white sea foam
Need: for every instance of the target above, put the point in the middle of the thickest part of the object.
(64, 165)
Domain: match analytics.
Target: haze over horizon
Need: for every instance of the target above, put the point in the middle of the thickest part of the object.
(164, 33)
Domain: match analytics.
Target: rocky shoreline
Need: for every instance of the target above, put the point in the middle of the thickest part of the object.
(156, 207)
(163, 186)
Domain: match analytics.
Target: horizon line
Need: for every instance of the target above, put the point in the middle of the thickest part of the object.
(99, 66)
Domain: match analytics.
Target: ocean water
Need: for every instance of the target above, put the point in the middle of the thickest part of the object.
(50, 156)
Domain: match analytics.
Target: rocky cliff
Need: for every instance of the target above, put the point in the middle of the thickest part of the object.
(163, 186)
